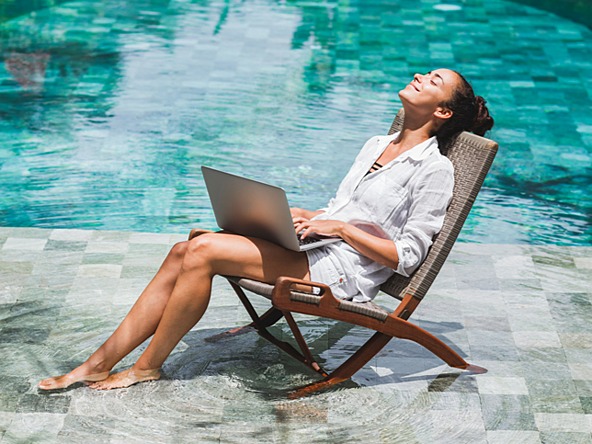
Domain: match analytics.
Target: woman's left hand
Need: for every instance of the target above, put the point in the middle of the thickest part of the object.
(319, 227)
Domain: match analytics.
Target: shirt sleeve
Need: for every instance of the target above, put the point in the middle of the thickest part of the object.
(430, 199)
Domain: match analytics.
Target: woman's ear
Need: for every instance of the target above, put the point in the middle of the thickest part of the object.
(443, 113)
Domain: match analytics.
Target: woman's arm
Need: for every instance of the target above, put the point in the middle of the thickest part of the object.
(430, 198)
(376, 248)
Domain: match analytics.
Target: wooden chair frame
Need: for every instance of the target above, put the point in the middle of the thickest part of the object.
(472, 157)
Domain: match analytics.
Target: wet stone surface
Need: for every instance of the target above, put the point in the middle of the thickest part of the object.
(535, 344)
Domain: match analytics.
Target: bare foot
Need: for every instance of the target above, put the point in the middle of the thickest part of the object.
(126, 378)
(64, 381)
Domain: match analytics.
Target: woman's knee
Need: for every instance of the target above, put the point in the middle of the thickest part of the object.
(178, 250)
(200, 252)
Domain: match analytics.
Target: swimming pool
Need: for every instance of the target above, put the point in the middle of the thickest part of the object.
(109, 108)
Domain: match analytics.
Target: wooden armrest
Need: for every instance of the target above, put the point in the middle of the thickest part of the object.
(284, 285)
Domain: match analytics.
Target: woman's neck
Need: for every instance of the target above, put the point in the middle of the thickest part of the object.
(410, 137)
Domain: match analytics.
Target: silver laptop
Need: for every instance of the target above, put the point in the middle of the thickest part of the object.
(256, 209)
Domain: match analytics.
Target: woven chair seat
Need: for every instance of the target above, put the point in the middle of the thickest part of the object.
(261, 288)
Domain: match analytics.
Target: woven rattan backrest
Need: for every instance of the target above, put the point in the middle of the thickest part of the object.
(472, 157)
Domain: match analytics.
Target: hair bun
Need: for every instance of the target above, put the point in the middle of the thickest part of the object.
(483, 121)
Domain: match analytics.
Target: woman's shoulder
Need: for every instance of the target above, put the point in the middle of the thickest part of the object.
(438, 163)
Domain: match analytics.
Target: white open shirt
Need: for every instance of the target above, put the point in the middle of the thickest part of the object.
(406, 198)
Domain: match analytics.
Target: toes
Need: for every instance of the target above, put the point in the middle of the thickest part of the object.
(62, 382)
(98, 387)
(53, 383)
(110, 383)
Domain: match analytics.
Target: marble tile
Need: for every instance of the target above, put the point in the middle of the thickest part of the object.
(71, 235)
(562, 422)
(34, 403)
(100, 270)
(5, 420)
(103, 258)
(581, 371)
(150, 238)
(520, 285)
(27, 233)
(535, 345)
(62, 245)
(577, 355)
(494, 385)
(25, 244)
(531, 339)
(513, 436)
(513, 267)
(576, 340)
(491, 323)
(138, 271)
(34, 427)
(554, 279)
(507, 412)
(98, 246)
(459, 427)
(583, 262)
(565, 438)
(554, 396)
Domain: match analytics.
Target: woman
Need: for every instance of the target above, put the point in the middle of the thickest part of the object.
(386, 210)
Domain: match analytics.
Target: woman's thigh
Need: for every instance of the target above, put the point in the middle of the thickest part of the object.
(234, 255)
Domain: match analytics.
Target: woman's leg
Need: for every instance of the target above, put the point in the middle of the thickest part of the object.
(139, 324)
(206, 256)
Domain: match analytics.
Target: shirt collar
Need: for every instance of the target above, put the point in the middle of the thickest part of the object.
(420, 151)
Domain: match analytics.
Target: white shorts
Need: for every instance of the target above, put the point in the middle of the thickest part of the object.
(324, 267)
(350, 275)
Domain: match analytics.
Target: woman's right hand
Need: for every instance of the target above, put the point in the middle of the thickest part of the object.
(297, 216)
(297, 221)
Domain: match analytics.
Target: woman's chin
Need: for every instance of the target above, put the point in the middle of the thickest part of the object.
(406, 94)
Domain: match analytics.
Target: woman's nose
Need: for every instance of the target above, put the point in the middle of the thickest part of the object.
(418, 77)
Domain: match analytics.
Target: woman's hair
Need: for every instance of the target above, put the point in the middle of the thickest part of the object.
(469, 113)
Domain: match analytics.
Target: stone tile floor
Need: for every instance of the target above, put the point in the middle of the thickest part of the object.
(521, 311)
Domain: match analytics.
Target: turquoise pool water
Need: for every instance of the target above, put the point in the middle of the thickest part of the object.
(107, 109)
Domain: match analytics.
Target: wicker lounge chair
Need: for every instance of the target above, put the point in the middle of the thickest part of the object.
(472, 157)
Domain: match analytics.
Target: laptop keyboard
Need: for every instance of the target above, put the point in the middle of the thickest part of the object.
(308, 240)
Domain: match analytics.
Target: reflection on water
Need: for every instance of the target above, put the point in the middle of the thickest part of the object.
(109, 108)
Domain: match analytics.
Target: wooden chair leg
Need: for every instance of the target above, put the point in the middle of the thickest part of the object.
(260, 324)
(267, 319)
(309, 359)
(288, 348)
(406, 330)
(346, 370)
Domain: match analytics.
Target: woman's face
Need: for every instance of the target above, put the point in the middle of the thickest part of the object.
(426, 92)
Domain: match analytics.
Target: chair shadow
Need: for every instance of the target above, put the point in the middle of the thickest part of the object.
(261, 367)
